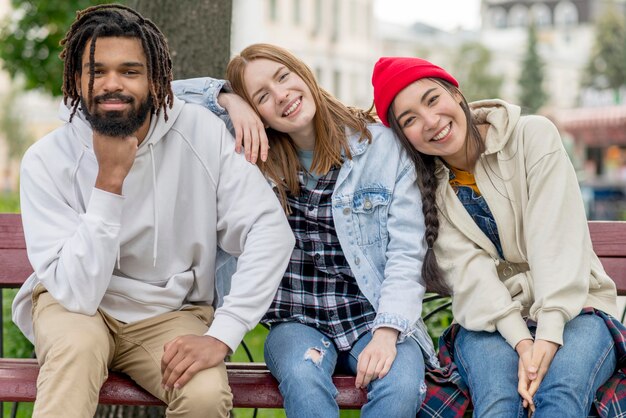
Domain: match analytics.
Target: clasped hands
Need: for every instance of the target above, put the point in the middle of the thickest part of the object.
(535, 358)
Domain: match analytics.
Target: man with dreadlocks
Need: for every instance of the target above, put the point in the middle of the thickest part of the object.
(124, 209)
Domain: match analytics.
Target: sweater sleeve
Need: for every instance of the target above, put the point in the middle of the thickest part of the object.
(72, 253)
(480, 300)
(557, 237)
(252, 226)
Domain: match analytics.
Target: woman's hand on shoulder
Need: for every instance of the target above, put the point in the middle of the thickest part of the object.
(249, 129)
(377, 357)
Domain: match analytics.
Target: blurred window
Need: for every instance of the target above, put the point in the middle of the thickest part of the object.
(518, 16)
(541, 15)
(565, 14)
(498, 17)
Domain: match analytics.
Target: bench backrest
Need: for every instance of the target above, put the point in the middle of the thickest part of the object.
(609, 242)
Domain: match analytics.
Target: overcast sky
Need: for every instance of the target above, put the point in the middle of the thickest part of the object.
(443, 14)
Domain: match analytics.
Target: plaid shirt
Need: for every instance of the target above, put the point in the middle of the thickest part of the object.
(318, 288)
(448, 396)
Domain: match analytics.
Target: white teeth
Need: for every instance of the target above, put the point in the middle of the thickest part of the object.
(441, 134)
(292, 108)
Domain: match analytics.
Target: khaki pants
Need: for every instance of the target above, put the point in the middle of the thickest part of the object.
(76, 351)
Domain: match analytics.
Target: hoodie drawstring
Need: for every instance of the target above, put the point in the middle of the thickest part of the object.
(77, 195)
(155, 206)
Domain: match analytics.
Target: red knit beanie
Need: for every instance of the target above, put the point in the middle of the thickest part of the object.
(392, 74)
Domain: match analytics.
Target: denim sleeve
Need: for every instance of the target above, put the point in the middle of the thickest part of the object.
(402, 289)
(202, 91)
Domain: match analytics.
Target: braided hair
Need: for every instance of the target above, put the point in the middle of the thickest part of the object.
(425, 166)
(109, 20)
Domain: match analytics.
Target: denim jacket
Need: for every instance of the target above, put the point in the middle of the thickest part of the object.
(378, 218)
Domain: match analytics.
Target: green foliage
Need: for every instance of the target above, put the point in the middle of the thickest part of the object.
(9, 203)
(29, 40)
(471, 69)
(15, 344)
(532, 93)
(438, 322)
(607, 63)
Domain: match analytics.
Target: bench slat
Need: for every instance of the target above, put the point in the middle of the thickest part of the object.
(609, 238)
(15, 267)
(252, 384)
(11, 231)
(616, 269)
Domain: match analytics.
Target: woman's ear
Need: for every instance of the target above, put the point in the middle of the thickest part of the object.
(458, 97)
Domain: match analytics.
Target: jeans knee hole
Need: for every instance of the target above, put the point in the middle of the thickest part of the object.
(315, 355)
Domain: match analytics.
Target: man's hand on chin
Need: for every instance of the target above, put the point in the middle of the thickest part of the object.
(115, 158)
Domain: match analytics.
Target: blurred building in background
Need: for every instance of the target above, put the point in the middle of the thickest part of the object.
(592, 121)
(336, 38)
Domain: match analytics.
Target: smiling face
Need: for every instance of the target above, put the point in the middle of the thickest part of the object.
(121, 101)
(433, 121)
(282, 98)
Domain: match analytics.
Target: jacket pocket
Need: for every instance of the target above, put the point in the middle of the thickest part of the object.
(369, 211)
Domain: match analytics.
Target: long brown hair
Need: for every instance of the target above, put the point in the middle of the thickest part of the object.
(425, 166)
(331, 120)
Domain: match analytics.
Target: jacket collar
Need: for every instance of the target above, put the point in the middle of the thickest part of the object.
(356, 147)
(501, 117)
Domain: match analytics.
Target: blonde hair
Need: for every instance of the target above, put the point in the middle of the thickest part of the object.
(330, 122)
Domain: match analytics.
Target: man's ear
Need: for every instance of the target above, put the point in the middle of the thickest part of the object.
(77, 81)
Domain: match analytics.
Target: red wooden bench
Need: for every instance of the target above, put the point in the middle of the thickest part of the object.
(251, 383)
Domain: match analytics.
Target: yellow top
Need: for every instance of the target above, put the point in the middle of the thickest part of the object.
(463, 178)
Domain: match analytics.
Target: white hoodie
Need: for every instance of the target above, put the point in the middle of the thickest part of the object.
(153, 249)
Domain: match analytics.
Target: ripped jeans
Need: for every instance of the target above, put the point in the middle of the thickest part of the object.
(303, 360)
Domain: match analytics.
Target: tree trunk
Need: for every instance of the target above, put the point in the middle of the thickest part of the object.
(198, 33)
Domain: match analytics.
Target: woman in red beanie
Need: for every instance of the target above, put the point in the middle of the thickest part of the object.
(505, 217)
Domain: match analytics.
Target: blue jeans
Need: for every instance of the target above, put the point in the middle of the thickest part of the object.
(489, 366)
(306, 383)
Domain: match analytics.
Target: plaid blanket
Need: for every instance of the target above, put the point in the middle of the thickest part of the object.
(448, 396)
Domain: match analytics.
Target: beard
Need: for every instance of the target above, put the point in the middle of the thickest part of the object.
(117, 123)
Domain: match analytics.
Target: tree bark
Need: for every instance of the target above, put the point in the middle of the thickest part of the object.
(198, 33)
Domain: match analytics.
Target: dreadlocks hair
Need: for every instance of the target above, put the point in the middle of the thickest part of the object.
(108, 20)
(425, 167)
